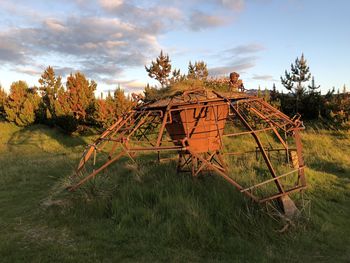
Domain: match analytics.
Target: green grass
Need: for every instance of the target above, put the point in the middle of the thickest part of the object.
(153, 214)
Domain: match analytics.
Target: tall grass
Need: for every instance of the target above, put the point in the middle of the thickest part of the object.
(146, 212)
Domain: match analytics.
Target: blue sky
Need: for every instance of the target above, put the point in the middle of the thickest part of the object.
(111, 40)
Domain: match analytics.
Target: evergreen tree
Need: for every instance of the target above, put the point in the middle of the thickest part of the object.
(191, 71)
(275, 97)
(274, 94)
(176, 76)
(61, 105)
(293, 81)
(121, 102)
(313, 87)
(80, 96)
(21, 104)
(259, 94)
(313, 100)
(160, 69)
(201, 70)
(105, 111)
(50, 86)
(266, 94)
(198, 70)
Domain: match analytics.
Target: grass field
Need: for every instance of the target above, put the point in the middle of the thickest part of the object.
(157, 215)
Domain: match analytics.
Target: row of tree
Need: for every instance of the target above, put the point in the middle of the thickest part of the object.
(73, 107)
(305, 97)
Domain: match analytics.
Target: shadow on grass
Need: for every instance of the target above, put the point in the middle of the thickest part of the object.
(335, 168)
(39, 135)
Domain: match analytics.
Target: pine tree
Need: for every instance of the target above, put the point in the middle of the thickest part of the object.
(61, 105)
(201, 70)
(191, 71)
(160, 69)
(294, 80)
(266, 94)
(313, 87)
(121, 102)
(50, 86)
(21, 104)
(80, 96)
(105, 111)
(275, 97)
(344, 89)
(259, 92)
(313, 100)
(176, 76)
(274, 94)
(197, 71)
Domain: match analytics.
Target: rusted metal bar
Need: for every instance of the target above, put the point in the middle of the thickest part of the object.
(227, 178)
(295, 189)
(161, 131)
(271, 180)
(300, 157)
(160, 148)
(262, 150)
(257, 140)
(141, 122)
(246, 132)
(76, 186)
(254, 151)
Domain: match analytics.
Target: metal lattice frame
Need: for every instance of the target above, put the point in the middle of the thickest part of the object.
(144, 129)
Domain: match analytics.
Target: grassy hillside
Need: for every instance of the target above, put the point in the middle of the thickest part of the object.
(156, 215)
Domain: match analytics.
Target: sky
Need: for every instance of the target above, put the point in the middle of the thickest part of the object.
(111, 41)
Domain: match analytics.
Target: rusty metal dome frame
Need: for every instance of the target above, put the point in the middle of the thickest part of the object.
(192, 124)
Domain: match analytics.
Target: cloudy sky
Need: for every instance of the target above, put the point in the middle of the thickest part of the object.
(111, 40)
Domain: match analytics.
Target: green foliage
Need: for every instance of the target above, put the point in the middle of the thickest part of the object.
(219, 84)
(197, 71)
(151, 93)
(293, 81)
(122, 103)
(80, 96)
(336, 109)
(259, 93)
(313, 87)
(312, 101)
(266, 95)
(108, 110)
(160, 69)
(75, 106)
(50, 87)
(105, 111)
(21, 104)
(275, 97)
(176, 77)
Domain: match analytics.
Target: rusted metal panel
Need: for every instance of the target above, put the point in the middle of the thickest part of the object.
(199, 126)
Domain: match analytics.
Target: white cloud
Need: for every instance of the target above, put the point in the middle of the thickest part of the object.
(263, 77)
(111, 4)
(238, 59)
(55, 25)
(236, 5)
(199, 20)
(100, 37)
